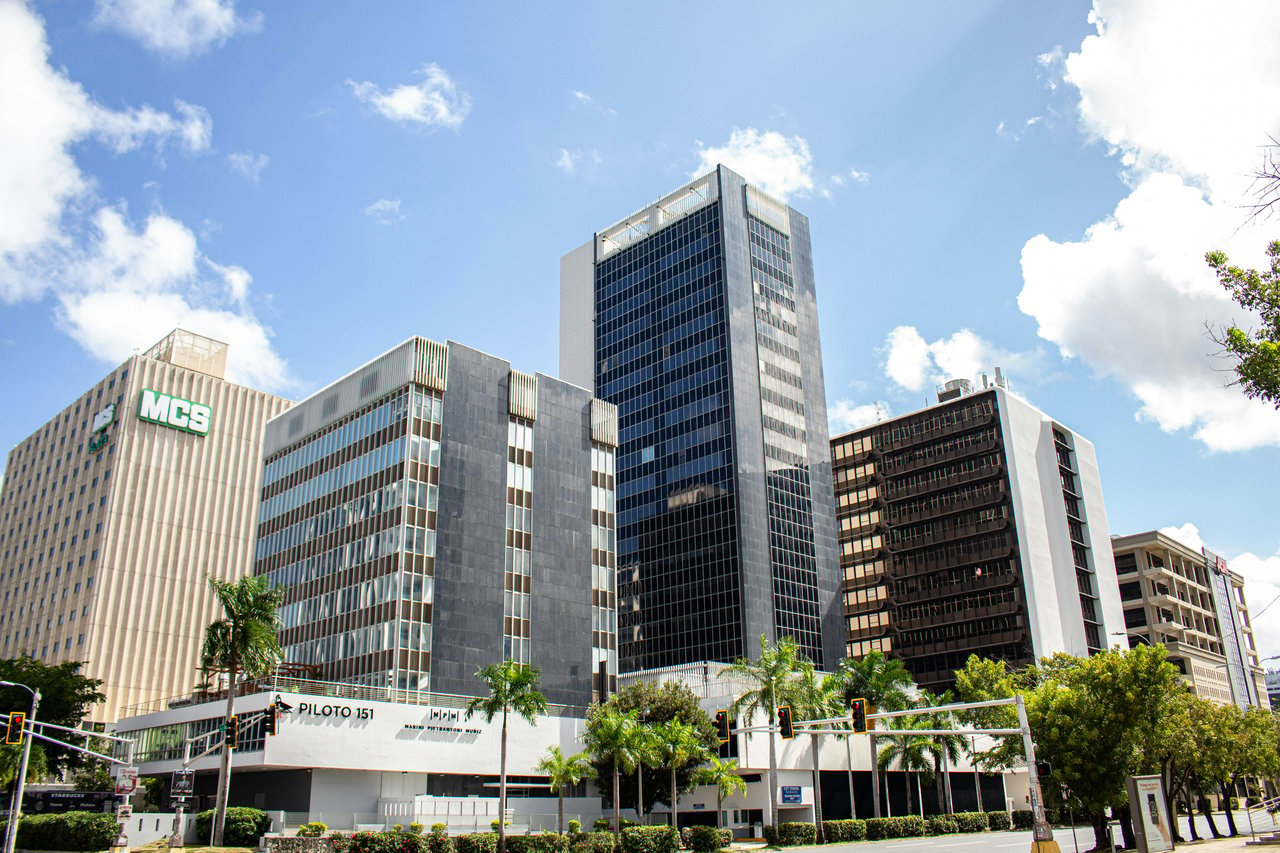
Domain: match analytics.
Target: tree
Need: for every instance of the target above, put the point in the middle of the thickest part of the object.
(244, 641)
(724, 776)
(11, 760)
(911, 752)
(1256, 354)
(94, 777)
(66, 697)
(812, 698)
(767, 678)
(644, 753)
(656, 703)
(564, 772)
(884, 683)
(609, 739)
(513, 686)
(680, 747)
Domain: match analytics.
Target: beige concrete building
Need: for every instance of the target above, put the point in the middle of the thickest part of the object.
(114, 513)
(1191, 602)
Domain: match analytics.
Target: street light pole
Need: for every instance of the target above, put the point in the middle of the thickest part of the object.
(15, 814)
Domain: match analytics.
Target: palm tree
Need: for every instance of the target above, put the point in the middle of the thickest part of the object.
(646, 751)
(946, 749)
(911, 752)
(767, 677)
(513, 686)
(884, 683)
(724, 775)
(608, 737)
(680, 746)
(245, 641)
(564, 773)
(814, 699)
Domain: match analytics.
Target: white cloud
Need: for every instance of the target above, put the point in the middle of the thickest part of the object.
(780, 165)
(114, 286)
(1188, 534)
(587, 101)
(1185, 100)
(568, 161)
(385, 211)
(860, 177)
(433, 102)
(176, 28)
(846, 415)
(913, 363)
(249, 165)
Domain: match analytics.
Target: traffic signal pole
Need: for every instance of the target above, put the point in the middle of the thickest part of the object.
(15, 814)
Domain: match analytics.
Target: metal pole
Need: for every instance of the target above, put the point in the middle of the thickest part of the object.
(875, 774)
(11, 831)
(177, 840)
(853, 804)
(1041, 830)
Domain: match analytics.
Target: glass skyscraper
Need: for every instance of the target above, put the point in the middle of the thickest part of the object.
(696, 316)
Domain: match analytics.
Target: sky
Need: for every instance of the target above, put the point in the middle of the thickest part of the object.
(1029, 184)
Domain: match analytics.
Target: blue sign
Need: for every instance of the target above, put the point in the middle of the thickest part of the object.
(790, 793)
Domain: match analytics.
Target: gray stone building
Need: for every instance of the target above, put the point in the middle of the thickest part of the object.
(435, 511)
(697, 317)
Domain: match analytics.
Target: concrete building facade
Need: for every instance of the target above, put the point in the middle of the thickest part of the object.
(435, 511)
(697, 317)
(116, 511)
(975, 526)
(1189, 600)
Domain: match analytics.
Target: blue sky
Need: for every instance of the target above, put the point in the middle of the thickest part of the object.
(1029, 184)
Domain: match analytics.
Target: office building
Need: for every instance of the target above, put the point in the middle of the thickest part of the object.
(115, 512)
(696, 316)
(974, 526)
(435, 511)
(1189, 600)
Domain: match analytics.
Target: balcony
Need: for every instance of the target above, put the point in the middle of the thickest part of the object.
(893, 491)
(902, 514)
(949, 534)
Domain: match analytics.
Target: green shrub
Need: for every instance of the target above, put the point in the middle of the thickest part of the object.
(703, 839)
(340, 842)
(844, 830)
(601, 824)
(66, 831)
(770, 835)
(971, 821)
(910, 826)
(650, 839)
(547, 842)
(439, 841)
(575, 826)
(477, 842)
(314, 829)
(243, 826)
(592, 842)
(793, 833)
(415, 828)
(943, 824)
(999, 821)
(1023, 819)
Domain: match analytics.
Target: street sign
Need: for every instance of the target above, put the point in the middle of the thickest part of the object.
(791, 793)
(124, 812)
(183, 783)
(127, 781)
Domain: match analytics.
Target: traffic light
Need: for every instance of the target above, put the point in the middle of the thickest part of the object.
(233, 726)
(1044, 769)
(269, 721)
(858, 711)
(722, 726)
(16, 722)
(784, 723)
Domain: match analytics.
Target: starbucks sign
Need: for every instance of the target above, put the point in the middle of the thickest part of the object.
(175, 412)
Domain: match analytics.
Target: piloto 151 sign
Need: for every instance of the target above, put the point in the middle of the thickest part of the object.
(167, 410)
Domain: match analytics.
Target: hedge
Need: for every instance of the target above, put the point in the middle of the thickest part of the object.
(943, 824)
(971, 821)
(844, 830)
(547, 842)
(650, 839)
(1023, 819)
(909, 826)
(999, 821)
(439, 841)
(67, 831)
(243, 826)
(704, 839)
(592, 842)
(477, 842)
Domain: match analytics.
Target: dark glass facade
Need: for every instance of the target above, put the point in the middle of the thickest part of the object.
(705, 339)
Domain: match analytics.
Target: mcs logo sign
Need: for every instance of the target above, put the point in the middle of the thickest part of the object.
(174, 412)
